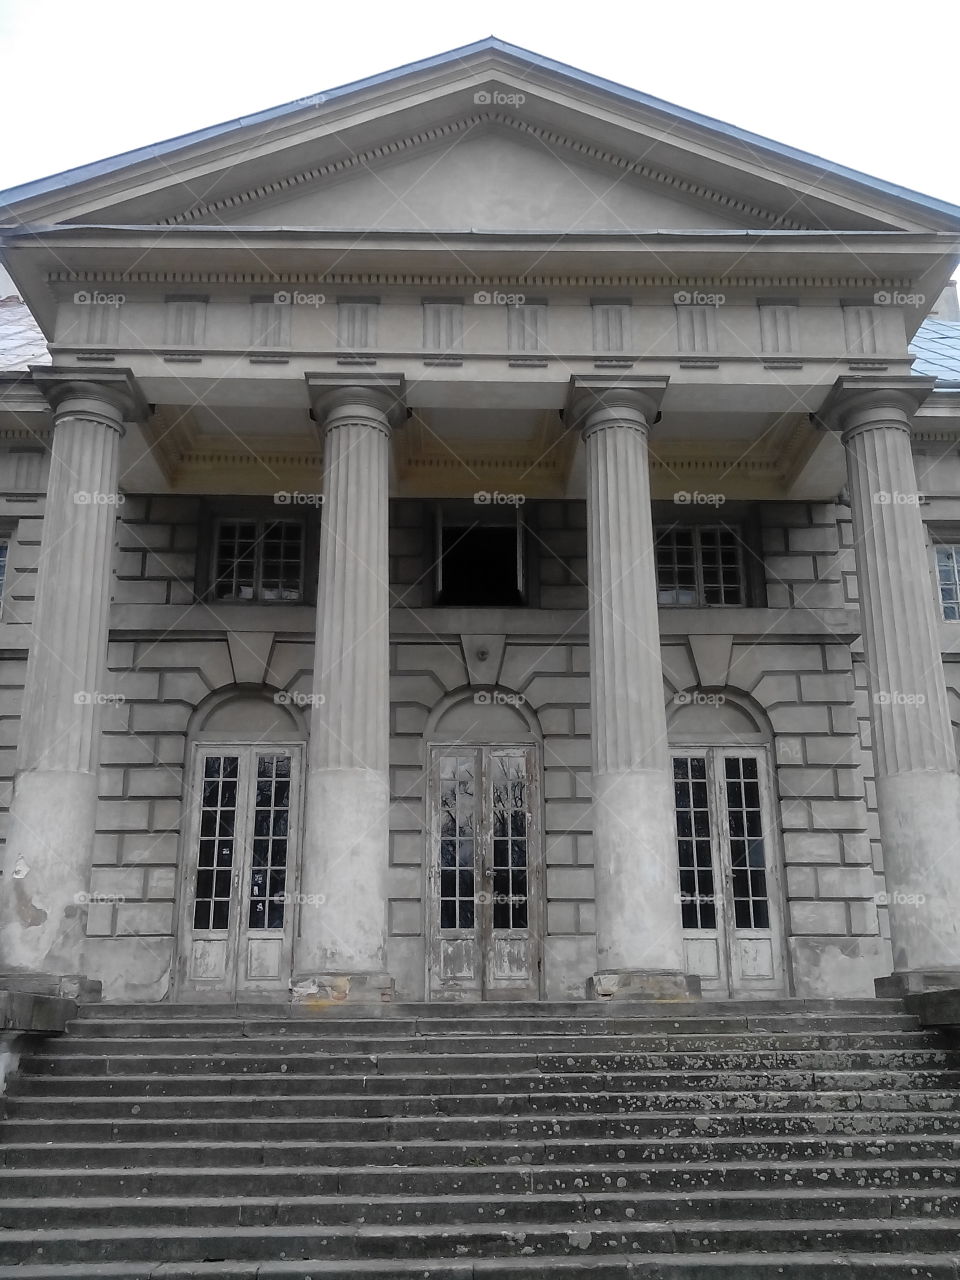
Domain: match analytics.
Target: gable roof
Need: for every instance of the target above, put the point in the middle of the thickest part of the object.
(54, 198)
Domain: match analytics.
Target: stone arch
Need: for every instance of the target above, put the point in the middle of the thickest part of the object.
(491, 714)
(258, 713)
(727, 716)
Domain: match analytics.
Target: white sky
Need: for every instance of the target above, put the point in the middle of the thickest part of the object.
(865, 83)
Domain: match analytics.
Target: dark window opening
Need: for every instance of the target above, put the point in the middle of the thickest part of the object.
(480, 565)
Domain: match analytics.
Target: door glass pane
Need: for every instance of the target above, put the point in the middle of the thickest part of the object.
(747, 853)
(268, 873)
(214, 869)
(457, 848)
(511, 821)
(698, 909)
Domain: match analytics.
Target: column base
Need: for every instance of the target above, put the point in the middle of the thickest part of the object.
(915, 982)
(637, 984)
(326, 990)
(71, 986)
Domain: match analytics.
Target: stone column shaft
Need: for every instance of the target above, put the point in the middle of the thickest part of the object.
(53, 811)
(639, 938)
(341, 945)
(918, 790)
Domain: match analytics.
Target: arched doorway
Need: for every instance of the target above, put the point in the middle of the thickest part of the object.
(240, 848)
(730, 886)
(484, 878)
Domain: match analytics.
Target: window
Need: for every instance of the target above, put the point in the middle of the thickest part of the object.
(357, 323)
(699, 565)
(948, 578)
(720, 840)
(442, 326)
(480, 559)
(611, 326)
(527, 327)
(259, 560)
(270, 322)
(696, 328)
(4, 546)
(185, 320)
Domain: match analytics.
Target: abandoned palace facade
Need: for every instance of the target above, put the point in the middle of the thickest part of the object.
(481, 532)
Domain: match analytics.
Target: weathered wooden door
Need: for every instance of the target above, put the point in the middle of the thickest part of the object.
(238, 888)
(484, 876)
(730, 899)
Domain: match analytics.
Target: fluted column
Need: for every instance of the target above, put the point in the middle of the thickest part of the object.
(639, 939)
(341, 943)
(918, 789)
(49, 849)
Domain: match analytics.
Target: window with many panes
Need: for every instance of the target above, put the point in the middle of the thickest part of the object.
(699, 565)
(260, 560)
(948, 580)
(4, 547)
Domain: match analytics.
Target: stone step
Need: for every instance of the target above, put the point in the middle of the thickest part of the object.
(592, 1050)
(824, 1168)
(583, 1092)
(623, 1149)
(485, 1240)
(811, 1265)
(601, 1207)
(336, 1128)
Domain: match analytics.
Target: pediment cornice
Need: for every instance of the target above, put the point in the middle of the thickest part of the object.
(363, 160)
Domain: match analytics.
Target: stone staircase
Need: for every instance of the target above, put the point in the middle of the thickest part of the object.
(734, 1141)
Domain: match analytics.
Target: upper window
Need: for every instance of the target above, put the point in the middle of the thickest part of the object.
(948, 577)
(3, 571)
(481, 554)
(527, 326)
(699, 565)
(259, 560)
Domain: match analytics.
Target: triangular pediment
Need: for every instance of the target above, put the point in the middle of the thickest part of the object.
(500, 176)
(484, 136)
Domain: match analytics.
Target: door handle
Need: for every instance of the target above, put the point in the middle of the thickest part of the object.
(488, 873)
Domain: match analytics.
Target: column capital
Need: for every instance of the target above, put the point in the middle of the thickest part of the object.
(596, 402)
(380, 397)
(112, 396)
(859, 402)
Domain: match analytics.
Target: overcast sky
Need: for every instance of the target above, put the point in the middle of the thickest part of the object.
(870, 85)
